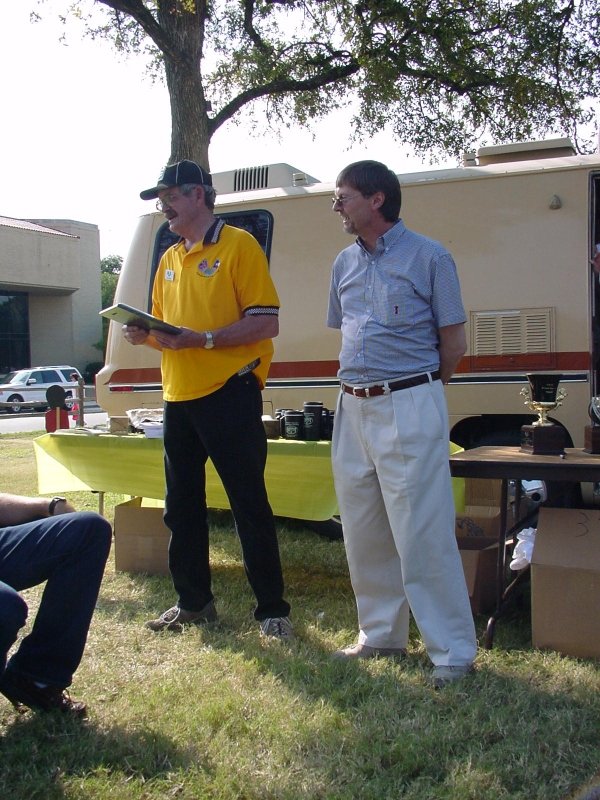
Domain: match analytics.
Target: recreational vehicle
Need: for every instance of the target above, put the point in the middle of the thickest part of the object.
(521, 222)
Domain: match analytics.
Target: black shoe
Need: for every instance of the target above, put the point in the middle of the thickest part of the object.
(174, 619)
(22, 691)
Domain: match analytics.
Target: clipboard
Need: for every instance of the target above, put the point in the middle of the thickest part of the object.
(128, 315)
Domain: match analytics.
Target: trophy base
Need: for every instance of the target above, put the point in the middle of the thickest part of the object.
(543, 440)
(592, 439)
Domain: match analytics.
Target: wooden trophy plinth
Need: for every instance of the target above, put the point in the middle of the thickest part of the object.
(543, 440)
(591, 439)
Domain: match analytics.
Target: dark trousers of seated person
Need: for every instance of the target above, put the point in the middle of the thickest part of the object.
(69, 552)
(225, 426)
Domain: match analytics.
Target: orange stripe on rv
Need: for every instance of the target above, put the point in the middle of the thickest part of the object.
(515, 362)
(139, 375)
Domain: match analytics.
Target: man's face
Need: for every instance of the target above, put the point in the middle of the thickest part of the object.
(180, 209)
(354, 209)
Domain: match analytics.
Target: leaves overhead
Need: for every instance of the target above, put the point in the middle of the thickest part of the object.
(441, 74)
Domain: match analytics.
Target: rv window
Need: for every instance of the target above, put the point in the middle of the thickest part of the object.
(258, 223)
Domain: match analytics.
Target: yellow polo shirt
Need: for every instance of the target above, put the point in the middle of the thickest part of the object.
(216, 283)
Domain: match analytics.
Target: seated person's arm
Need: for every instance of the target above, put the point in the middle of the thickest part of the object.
(15, 509)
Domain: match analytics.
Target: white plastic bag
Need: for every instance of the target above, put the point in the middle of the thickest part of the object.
(523, 549)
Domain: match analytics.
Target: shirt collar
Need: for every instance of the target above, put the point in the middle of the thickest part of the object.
(211, 236)
(388, 238)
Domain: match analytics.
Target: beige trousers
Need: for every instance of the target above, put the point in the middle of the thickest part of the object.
(392, 478)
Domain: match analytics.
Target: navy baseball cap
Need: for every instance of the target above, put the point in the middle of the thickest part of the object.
(177, 175)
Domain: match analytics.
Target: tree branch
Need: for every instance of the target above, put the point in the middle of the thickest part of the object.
(140, 13)
(280, 86)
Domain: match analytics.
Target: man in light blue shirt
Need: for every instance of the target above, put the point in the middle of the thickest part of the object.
(395, 296)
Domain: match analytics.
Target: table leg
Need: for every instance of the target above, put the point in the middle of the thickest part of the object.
(100, 503)
(500, 566)
(504, 593)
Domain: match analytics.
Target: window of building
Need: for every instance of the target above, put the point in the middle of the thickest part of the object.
(14, 331)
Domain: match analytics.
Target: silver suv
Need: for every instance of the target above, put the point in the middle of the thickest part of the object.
(26, 388)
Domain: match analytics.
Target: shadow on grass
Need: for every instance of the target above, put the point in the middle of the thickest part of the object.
(40, 753)
(512, 730)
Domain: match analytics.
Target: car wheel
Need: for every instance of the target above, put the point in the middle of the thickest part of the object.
(16, 401)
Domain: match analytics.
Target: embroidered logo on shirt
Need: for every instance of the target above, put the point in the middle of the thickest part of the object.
(206, 270)
(169, 275)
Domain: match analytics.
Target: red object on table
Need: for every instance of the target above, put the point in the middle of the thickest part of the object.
(56, 418)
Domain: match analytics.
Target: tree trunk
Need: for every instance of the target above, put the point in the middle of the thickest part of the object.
(189, 119)
(184, 27)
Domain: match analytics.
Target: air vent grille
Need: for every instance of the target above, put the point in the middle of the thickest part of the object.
(249, 178)
(525, 332)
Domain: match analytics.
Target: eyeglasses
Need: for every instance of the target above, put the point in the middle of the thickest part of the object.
(166, 201)
(341, 201)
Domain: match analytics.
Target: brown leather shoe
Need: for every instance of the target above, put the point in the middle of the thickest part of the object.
(364, 651)
(173, 619)
(22, 691)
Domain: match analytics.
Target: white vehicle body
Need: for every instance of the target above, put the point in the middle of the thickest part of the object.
(26, 388)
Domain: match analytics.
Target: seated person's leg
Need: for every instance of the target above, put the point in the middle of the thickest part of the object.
(69, 552)
(13, 615)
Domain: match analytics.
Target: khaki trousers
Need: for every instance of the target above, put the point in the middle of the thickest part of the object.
(392, 478)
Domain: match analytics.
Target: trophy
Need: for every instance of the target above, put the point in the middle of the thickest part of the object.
(592, 432)
(543, 437)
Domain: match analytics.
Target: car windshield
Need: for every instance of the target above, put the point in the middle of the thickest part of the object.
(20, 376)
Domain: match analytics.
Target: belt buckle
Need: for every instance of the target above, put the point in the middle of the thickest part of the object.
(356, 390)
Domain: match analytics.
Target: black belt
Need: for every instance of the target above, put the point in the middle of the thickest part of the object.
(248, 368)
(376, 391)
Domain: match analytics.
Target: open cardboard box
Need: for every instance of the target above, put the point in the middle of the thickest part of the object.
(477, 531)
(141, 537)
(481, 517)
(565, 582)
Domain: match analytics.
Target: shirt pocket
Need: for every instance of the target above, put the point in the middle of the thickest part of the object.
(394, 301)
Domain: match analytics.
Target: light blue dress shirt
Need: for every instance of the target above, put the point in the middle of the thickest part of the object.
(390, 304)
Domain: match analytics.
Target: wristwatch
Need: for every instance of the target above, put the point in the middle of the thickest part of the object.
(53, 503)
(210, 340)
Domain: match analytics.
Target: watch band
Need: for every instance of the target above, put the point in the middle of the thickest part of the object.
(53, 503)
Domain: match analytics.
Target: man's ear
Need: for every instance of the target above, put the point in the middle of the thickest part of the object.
(377, 199)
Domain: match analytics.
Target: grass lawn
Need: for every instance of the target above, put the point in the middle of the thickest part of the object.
(219, 713)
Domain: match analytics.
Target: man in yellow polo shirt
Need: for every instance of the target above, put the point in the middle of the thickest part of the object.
(214, 284)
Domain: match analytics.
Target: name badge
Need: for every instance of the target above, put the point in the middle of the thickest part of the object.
(169, 275)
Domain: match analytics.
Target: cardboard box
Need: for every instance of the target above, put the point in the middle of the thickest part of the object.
(477, 531)
(479, 559)
(119, 425)
(481, 517)
(565, 582)
(141, 537)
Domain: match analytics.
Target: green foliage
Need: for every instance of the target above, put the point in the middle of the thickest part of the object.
(442, 73)
(110, 267)
(108, 286)
(216, 712)
(91, 369)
